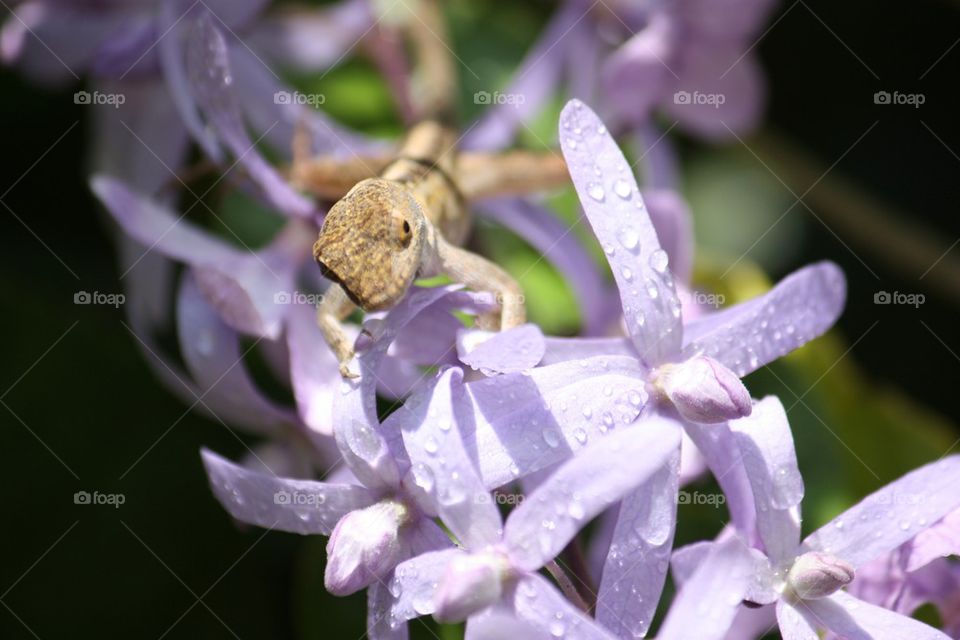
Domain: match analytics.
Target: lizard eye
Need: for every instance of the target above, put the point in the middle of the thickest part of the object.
(404, 233)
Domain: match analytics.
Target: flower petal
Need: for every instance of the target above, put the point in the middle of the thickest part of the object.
(536, 602)
(639, 72)
(598, 476)
(277, 119)
(940, 540)
(615, 209)
(143, 144)
(849, 617)
(74, 34)
(509, 351)
(251, 290)
(719, 449)
(793, 625)
(705, 606)
(672, 221)
(561, 248)
(211, 80)
(314, 375)
(564, 349)
(770, 461)
(637, 563)
(298, 506)
(379, 603)
(415, 582)
(892, 515)
(747, 336)
(212, 354)
(721, 92)
(440, 466)
(370, 450)
(529, 421)
(242, 285)
(312, 40)
(499, 622)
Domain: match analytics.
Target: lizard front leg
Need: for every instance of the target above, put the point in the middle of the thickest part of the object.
(332, 310)
(480, 274)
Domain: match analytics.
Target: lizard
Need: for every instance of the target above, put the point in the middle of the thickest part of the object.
(403, 217)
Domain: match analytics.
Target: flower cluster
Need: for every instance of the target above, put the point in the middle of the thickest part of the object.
(605, 426)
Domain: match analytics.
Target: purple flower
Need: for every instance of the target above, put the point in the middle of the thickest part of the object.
(661, 370)
(805, 579)
(496, 568)
(378, 518)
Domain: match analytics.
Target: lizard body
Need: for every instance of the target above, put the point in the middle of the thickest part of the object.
(404, 224)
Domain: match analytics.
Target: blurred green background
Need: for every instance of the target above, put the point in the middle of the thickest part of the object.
(868, 402)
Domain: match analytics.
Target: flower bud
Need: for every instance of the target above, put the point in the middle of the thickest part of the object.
(703, 390)
(817, 575)
(472, 583)
(365, 545)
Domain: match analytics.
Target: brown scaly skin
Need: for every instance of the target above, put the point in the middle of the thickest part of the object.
(406, 224)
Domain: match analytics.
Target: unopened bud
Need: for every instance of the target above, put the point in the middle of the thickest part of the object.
(703, 390)
(365, 546)
(817, 575)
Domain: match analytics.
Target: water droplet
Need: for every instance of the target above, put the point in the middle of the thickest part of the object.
(587, 413)
(596, 192)
(659, 261)
(627, 274)
(629, 238)
(571, 143)
(652, 290)
(430, 446)
(550, 437)
(580, 435)
(576, 510)
(641, 319)
(622, 188)
(609, 249)
(557, 629)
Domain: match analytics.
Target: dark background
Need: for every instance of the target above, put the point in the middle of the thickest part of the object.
(81, 405)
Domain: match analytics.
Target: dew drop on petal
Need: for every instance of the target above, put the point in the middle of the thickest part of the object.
(587, 413)
(627, 274)
(659, 261)
(596, 192)
(550, 437)
(622, 188)
(629, 238)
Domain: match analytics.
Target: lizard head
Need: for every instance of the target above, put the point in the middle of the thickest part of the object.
(371, 243)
